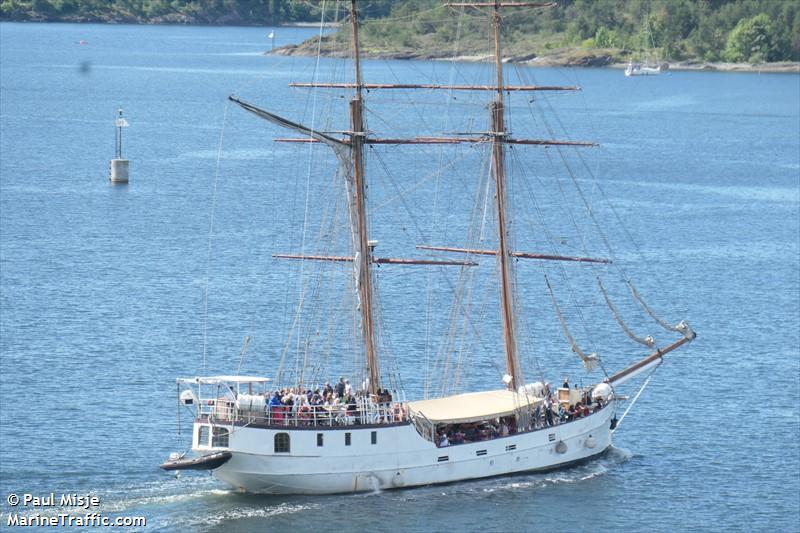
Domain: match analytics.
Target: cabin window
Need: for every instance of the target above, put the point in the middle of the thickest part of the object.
(220, 437)
(374, 437)
(347, 439)
(202, 436)
(319, 439)
(282, 444)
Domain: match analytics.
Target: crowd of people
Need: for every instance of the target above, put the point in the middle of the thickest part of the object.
(547, 413)
(476, 431)
(338, 403)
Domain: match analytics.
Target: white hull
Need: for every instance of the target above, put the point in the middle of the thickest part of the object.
(642, 71)
(400, 457)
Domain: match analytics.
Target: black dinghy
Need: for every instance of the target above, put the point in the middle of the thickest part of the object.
(203, 462)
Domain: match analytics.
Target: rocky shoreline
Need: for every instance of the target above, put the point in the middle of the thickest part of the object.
(567, 57)
(572, 57)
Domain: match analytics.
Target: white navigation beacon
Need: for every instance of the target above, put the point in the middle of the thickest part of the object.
(119, 166)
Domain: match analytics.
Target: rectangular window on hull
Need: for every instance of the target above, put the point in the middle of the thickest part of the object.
(347, 439)
(319, 439)
(202, 436)
(374, 437)
(220, 438)
(282, 444)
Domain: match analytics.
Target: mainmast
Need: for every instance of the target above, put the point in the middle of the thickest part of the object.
(503, 256)
(363, 260)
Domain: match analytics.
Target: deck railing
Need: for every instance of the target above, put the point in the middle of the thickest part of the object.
(364, 413)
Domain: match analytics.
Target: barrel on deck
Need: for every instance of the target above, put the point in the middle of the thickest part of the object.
(119, 171)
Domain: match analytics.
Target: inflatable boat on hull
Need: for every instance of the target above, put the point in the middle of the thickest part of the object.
(204, 462)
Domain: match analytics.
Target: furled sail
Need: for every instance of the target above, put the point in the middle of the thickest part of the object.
(591, 360)
(334, 143)
(648, 341)
(340, 147)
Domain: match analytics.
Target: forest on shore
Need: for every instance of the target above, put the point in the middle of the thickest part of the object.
(754, 31)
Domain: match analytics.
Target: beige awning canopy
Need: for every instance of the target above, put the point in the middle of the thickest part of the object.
(472, 406)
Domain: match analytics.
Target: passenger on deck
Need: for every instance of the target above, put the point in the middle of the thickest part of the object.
(274, 407)
(275, 400)
(340, 388)
(503, 428)
(316, 398)
(384, 396)
(352, 408)
(599, 401)
(443, 441)
(548, 410)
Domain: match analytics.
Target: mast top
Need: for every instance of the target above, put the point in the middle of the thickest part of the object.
(356, 47)
(501, 4)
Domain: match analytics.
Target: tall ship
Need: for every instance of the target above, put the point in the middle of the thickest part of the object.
(359, 432)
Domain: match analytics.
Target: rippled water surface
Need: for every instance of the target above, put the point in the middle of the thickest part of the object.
(102, 288)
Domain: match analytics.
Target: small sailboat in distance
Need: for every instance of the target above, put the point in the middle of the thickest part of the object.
(647, 67)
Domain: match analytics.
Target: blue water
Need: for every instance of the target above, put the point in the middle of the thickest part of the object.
(102, 288)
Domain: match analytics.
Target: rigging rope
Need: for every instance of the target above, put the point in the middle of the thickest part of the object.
(591, 213)
(641, 389)
(590, 361)
(551, 241)
(241, 356)
(339, 152)
(648, 341)
(649, 311)
(211, 234)
(440, 167)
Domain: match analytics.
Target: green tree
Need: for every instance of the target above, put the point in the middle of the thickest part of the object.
(605, 38)
(751, 40)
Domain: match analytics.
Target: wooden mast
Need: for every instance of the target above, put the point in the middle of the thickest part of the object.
(513, 366)
(364, 251)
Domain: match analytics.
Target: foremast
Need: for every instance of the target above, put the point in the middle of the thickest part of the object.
(497, 109)
(363, 260)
